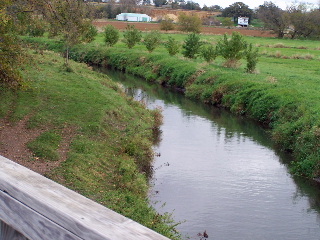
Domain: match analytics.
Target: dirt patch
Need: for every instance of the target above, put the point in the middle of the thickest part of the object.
(13, 145)
(205, 29)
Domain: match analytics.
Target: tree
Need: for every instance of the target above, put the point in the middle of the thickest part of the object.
(191, 46)
(172, 46)
(302, 21)
(252, 58)
(152, 40)
(166, 24)
(190, 23)
(208, 53)
(237, 9)
(190, 5)
(232, 49)
(10, 50)
(71, 19)
(111, 35)
(132, 36)
(274, 18)
(159, 3)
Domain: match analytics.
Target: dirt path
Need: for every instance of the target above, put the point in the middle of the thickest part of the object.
(13, 145)
(206, 30)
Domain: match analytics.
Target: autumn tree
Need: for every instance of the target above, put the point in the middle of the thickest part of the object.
(69, 18)
(10, 50)
(189, 23)
(274, 18)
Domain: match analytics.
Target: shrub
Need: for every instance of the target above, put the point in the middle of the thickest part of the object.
(252, 59)
(172, 46)
(131, 36)
(232, 49)
(208, 52)
(166, 24)
(111, 35)
(152, 40)
(191, 46)
(90, 33)
(189, 23)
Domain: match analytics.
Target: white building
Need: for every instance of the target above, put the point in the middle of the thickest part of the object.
(243, 21)
(133, 17)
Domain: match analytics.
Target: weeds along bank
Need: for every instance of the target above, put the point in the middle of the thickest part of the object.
(280, 97)
(110, 135)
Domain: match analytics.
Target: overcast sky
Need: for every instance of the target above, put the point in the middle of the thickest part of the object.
(251, 3)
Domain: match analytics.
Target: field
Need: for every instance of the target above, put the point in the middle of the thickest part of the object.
(204, 30)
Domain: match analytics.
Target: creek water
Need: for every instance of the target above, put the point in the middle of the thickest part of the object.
(221, 173)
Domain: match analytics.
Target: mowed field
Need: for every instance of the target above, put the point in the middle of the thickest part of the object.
(143, 26)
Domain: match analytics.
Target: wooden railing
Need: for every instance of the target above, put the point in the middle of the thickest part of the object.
(36, 208)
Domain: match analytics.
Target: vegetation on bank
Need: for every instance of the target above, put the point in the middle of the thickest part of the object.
(111, 135)
(283, 95)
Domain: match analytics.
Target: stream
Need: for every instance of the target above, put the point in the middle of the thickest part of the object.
(221, 173)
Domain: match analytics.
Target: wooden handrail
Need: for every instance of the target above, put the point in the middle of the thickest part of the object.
(41, 209)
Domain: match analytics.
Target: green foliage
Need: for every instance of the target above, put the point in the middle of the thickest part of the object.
(227, 22)
(111, 35)
(132, 36)
(166, 24)
(152, 40)
(172, 46)
(252, 58)
(190, 23)
(232, 49)
(208, 52)
(191, 46)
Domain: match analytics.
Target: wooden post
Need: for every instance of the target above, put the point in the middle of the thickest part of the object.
(41, 209)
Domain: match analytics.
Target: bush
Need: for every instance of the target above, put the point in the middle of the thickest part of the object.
(189, 23)
(166, 24)
(152, 40)
(252, 59)
(90, 33)
(172, 46)
(191, 46)
(208, 52)
(111, 35)
(232, 49)
(131, 36)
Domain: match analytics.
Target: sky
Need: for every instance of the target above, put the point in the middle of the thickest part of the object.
(251, 3)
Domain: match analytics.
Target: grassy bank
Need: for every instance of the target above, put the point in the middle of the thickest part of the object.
(283, 96)
(111, 136)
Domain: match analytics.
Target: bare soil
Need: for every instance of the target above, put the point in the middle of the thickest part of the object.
(143, 26)
(13, 145)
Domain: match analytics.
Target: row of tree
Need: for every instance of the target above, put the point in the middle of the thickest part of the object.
(232, 49)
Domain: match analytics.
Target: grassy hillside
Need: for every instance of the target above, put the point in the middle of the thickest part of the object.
(110, 153)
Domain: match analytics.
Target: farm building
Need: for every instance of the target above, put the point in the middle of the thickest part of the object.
(133, 17)
(243, 21)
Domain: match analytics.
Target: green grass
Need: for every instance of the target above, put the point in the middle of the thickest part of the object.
(111, 135)
(283, 95)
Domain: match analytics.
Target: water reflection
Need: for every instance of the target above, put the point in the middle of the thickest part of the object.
(222, 174)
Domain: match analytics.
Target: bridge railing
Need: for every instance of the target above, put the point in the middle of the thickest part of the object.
(36, 208)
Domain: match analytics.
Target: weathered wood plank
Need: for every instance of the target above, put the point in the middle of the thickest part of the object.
(7, 232)
(71, 211)
(30, 223)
